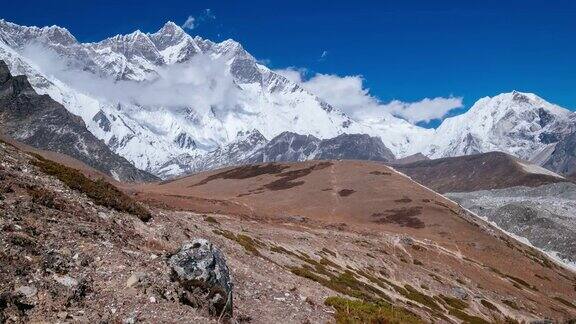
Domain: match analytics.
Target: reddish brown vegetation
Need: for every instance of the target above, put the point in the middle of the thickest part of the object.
(244, 172)
(404, 217)
(287, 178)
(346, 192)
(403, 200)
(380, 173)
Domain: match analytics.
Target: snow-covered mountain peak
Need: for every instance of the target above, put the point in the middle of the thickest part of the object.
(519, 123)
(520, 99)
(14, 34)
(188, 98)
(169, 35)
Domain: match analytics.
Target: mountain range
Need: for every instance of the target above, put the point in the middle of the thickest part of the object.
(373, 220)
(171, 104)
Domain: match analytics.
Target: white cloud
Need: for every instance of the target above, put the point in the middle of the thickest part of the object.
(193, 22)
(348, 94)
(189, 23)
(293, 74)
(203, 81)
(426, 109)
(323, 56)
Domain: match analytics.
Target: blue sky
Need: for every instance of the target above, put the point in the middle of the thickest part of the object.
(404, 50)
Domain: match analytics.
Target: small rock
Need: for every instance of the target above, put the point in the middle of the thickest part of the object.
(66, 280)
(135, 278)
(201, 270)
(130, 320)
(152, 299)
(460, 293)
(28, 291)
(407, 241)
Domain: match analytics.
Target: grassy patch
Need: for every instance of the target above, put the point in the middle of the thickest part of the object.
(521, 282)
(454, 302)
(328, 251)
(45, 197)
(210, 219)
(413, 294)
(357, 311)
(510, 304)
(565, 302)
(345, 283)
(248, 243)
(467, 318)
(435, 277)
(282, 250)
(100, 191)
(489, 305)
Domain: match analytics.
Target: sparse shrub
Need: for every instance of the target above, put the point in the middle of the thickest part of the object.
(100, 191)
(565, 302)
(510, 304)
(211, 219)
(357, 311)
(489, 305)
(45, 197)
(328, 251)
(467, 318)
(454, 302)
(415, 295)
(249, 244)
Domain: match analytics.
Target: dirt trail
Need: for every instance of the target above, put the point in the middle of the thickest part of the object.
(335, 188)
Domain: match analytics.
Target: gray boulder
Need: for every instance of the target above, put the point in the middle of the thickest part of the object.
(201, 270)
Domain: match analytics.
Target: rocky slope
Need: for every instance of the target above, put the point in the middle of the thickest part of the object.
(393, 215)
(544, 215)
(291, 147)
(41, 122)
(494, 170)
(562, 158)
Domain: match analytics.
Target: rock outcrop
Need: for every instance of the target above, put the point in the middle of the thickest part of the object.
(201, 270)
(41, 122)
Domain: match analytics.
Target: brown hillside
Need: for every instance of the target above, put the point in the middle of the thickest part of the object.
(494, 170)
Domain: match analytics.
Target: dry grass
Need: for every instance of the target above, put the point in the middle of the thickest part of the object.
(100, 191)
(357, 311)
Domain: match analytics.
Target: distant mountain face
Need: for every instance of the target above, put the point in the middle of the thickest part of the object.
(562, 158)
(151, 134)
(521, 124)
(291, 147)
(39, 121)
(171, 103)
(252, 147)
(484, 171)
